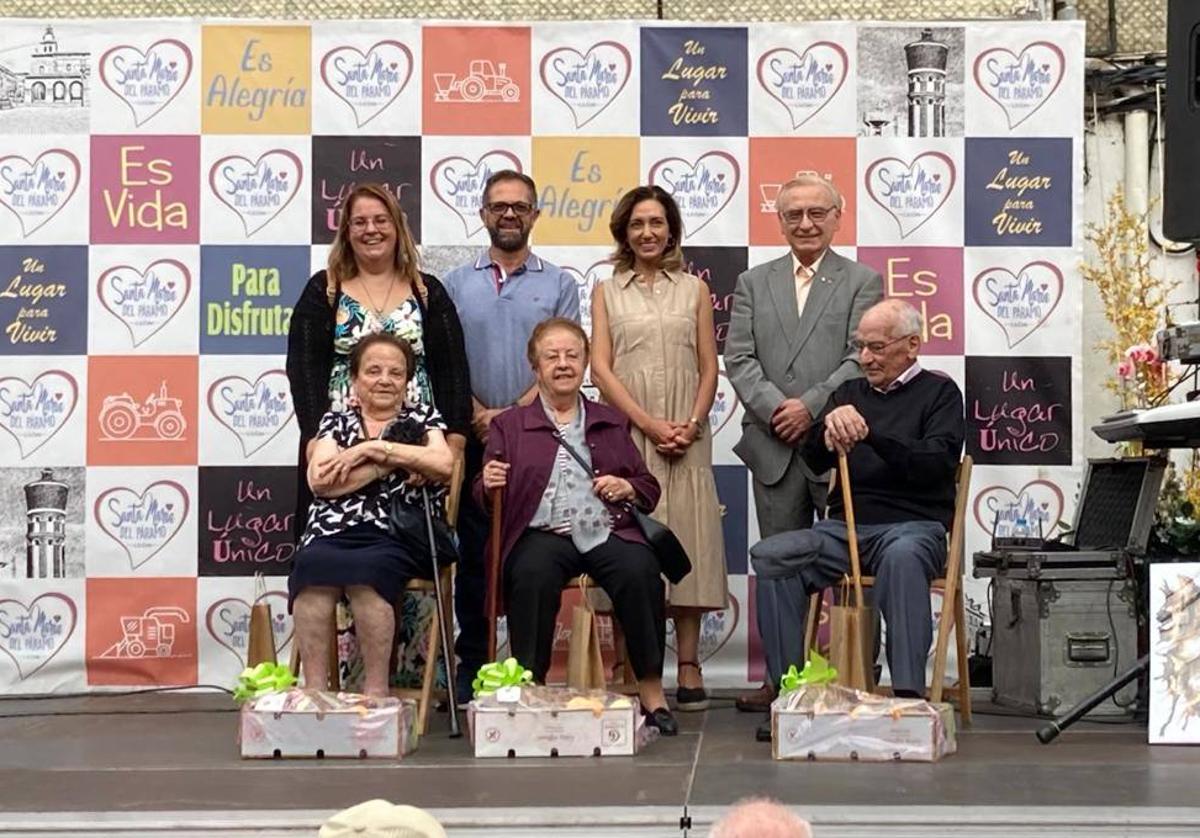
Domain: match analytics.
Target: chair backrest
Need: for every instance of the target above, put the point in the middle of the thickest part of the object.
(958, 529)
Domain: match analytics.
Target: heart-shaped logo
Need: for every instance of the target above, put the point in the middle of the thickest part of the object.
(367, 82)
(146, 81)
(1020, 83)
(586, 281)
(716, 627)
(586, 82)
(228, 621)
(36, 191)
(145, 300)
(702, 188)
(724, 405)
(258, 190)
(142, 523)
(1039, 503)
(254, 411)
(31, 635)
(911, 192)
(804, 82)
(458, 183)
(1019, 303)
(32, 412)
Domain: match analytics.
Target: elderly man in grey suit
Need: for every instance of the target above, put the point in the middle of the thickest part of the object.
(787, 350)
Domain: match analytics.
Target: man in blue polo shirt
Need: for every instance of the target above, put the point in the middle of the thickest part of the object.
(500, 297)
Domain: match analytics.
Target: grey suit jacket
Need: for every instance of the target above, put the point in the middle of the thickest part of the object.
(773, 353)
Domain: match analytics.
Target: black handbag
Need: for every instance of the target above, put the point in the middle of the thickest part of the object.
(411, 526)
(672, 558)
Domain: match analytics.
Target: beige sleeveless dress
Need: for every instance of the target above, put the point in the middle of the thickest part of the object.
(654, 355)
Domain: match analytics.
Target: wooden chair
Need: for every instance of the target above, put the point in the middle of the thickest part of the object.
(425, 694)
(626, 685)
(954, 614)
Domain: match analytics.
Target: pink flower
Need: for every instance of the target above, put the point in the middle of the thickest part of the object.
(1142, 353)
(1125, 369)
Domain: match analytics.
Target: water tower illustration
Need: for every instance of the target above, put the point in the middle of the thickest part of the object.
(46, 527)
(926, 61)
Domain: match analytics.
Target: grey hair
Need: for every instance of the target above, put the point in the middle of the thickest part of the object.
(906, 320)
(814, 179)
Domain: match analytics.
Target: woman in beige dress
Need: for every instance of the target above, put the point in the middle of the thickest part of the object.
(654, 357)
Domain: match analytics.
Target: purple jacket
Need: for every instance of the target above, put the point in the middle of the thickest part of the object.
(524, 437)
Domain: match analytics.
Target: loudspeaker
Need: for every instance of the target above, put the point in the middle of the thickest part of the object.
(1181, 174)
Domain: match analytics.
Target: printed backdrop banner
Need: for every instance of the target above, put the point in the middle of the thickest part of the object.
(168, 186)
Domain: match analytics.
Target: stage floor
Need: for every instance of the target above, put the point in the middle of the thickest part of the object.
(125, 761)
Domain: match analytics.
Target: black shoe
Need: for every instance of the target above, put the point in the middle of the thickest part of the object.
(763, 733)
(663, 720)
(691, 699)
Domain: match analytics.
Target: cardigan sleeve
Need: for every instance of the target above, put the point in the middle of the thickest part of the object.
(310, 356)
(446, 358)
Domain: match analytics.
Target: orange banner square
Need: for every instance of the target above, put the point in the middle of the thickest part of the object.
(142, 410)
(141, 632)
(477, 80)
(776, 160)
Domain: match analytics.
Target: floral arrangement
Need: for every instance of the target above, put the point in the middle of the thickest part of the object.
(1133, 301)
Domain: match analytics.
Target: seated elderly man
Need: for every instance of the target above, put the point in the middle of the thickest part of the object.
(902, 430)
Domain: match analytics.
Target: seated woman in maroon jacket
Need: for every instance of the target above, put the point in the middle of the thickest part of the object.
(560, 521)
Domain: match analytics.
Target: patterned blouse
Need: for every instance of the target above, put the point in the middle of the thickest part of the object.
(372, 503)
(353, 322)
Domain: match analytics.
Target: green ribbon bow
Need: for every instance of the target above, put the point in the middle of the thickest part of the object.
(261, 680)
(816, 671)
(493, 676)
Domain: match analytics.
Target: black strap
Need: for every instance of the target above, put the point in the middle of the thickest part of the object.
(562, 440)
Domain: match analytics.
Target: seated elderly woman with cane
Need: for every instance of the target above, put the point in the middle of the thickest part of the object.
(901, 429)
(560, 520)
(359, 461)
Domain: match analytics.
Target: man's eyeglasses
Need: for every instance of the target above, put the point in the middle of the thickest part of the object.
(815, 214)
(874, 347)
(500, 208)
(381, 222)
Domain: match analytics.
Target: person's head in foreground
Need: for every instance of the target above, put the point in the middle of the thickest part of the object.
(758, 817)
(380, 819)
(888, 340)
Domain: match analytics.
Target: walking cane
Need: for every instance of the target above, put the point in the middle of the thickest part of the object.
(440, 615)
(858, 679)
(492, 602)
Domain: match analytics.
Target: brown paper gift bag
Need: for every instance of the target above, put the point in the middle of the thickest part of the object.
(260, 648)
(850, 640)
(585, 666)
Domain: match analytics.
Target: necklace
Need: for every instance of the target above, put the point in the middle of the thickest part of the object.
(387, 296)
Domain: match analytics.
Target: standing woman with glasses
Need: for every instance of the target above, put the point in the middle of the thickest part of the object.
(372, 284)
(655, 359)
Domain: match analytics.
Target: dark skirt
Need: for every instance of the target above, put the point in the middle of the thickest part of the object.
(361, 555)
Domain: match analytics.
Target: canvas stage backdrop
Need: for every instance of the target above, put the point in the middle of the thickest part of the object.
(168, 186)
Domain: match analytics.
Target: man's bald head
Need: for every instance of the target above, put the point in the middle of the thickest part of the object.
(896, 317)
(760, 818)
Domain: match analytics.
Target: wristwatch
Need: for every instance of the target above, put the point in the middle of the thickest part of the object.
(699, 425)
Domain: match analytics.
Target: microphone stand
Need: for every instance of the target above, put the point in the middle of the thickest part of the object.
(1049, 732)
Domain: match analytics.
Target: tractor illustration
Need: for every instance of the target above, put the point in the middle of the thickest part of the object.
(483, 81)
(121, 417)
(152, 635)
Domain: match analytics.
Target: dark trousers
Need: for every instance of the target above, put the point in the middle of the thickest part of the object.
(540, 565)
(903, 558)
(470, 577)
